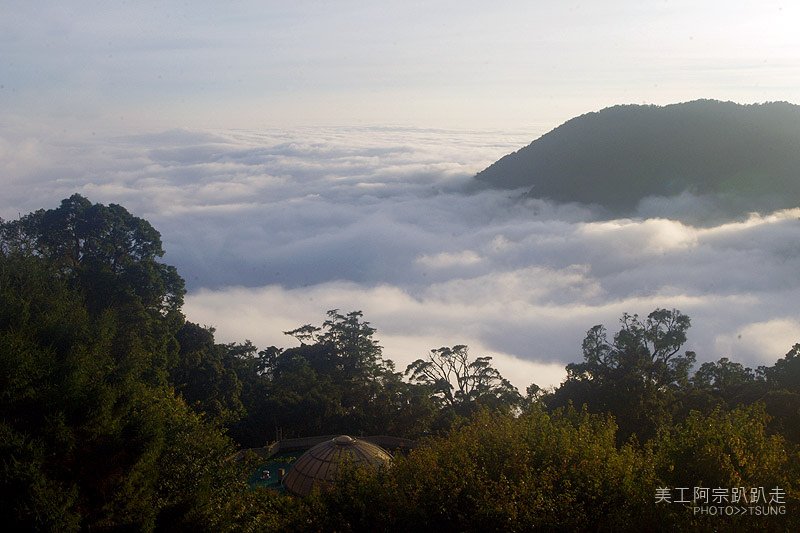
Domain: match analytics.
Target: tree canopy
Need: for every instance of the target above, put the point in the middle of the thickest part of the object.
(456, 381)
(105, 248)
(118, 413)
(636, 375)
(89, 441)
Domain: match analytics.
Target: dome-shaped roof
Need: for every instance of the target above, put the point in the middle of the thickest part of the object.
(319, 466)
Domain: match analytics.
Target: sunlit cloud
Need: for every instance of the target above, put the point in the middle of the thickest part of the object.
(272, 228)
(449, 259)
(760, 341)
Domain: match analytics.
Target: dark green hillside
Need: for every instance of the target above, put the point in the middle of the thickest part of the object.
(615, 157)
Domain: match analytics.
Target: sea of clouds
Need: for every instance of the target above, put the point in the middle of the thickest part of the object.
(271, 229)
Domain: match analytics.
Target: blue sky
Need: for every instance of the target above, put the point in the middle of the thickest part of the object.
(507, 64)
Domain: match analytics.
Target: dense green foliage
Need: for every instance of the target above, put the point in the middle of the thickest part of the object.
(454, 380)
(117, 413)
(92, 435)
(563, 471)
(636, 377)
(746, 156)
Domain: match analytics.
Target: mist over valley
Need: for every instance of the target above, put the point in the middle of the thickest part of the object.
(272, 228)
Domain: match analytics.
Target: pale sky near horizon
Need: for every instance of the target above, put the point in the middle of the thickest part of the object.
(150, 66)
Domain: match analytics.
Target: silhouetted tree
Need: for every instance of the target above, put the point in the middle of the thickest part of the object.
(458, 382)
(636, 376)
(336, 381)
(106, 249)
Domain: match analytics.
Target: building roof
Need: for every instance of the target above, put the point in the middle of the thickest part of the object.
(319, 466)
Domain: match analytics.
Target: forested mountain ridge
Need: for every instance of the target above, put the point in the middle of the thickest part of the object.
(747, 154)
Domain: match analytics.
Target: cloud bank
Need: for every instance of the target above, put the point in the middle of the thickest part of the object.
(273, 228)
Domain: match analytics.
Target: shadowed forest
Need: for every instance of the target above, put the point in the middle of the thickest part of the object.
(118, 413)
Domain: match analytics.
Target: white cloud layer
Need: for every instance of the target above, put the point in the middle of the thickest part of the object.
(273, 228)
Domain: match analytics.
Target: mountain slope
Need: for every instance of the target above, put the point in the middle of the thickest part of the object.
(620, 155)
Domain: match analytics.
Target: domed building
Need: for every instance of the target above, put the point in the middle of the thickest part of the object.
(319, 466)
